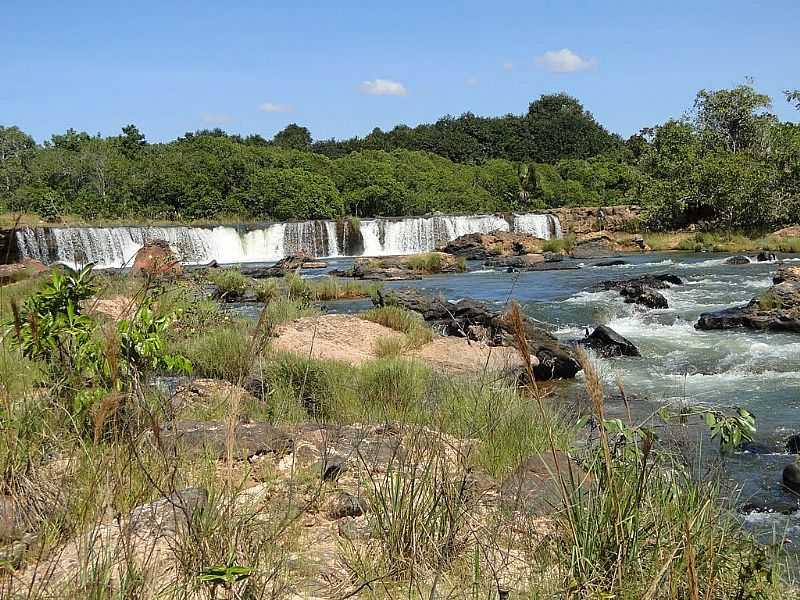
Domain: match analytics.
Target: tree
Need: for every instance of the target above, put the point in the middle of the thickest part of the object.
(793, 97)
(15, 147)
(293, 136)
(131, 140)
(286, 194)
(737, 119)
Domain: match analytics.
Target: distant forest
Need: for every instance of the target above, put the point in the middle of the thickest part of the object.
(730, 163)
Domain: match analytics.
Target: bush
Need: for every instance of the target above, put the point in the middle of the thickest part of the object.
(230, 282)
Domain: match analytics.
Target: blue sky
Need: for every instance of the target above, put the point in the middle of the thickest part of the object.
(342, 68)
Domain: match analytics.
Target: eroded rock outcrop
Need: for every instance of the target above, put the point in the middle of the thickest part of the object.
(778, 309)
(402, 268)
(156, 258)
(556, 361)
(641, 290)
(482, 246)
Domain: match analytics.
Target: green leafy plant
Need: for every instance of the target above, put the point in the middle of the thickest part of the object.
(224, 576)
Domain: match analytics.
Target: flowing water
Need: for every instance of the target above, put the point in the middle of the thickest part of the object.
(758, 371)
(116, 246)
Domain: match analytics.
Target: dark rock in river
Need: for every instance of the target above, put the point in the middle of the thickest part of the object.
(778, 309)
(765, 256)
(556, 361)
(607, 342)
(791, 476)
(612, 263)
(737, 260)
(793, 444)
(769, 505)
(641, 290)
(547, 261)
(288, 264)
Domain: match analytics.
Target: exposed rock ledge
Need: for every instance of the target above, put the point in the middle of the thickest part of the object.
(478, 320)
(778, 309)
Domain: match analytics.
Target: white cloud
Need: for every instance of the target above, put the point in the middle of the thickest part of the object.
(472, 81)
(508, 66)
(271, 107)
(216, 119)
(383, 87)
(564, 61)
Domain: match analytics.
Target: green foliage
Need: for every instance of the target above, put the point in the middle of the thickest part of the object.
(83, 363)
(230, 282)
(402, 320)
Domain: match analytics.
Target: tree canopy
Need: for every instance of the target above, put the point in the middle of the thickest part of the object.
(730, 163)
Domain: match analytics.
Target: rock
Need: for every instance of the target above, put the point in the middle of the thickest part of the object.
(791, 476)
(607, 342)
(556, 361)
(156, 258)
(24, 269)
(737, 260)
(167, 515)
(518, 262)
(766, 256)
(749, 316)
(483, 246)
(250, 439)
(793, 444)
(646, 297)
(612, 263)
(343, 504)
(535, 486)
(582, 220)
(787, 232)
(314, 264)
(288, 264)
(641, 290)
(595, 245)
(769, 505)
(354, 529)
(331, 468)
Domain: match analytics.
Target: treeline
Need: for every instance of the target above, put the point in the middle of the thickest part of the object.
(730, 163)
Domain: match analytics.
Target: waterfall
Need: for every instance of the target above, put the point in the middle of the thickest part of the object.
(228, 244)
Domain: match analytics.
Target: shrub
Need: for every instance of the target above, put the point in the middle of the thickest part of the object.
(559, 246)
(394, 317)
(230, 282)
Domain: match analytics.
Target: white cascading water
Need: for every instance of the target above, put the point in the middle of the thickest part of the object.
(117, 246)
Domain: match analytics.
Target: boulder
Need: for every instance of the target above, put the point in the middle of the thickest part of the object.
(288, 264)
(482, 246)
(607, 342)
(23, 269)
(766, 256)
(537, 486)
(793, 444)
(778, 309)
(156, 258)
(343, 504)
(737, 260)
(791, 476)
(641, 290)
(208, 437)
(555, 360)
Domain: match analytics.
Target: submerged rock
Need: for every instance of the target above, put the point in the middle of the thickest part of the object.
(737, 260)
(793, 444)
(607, 342)
(612, 263)
(555, 360)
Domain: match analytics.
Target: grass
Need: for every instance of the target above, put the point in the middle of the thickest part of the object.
(428, 263)
(295, 287)
(417, 333)
(559, 246)
(732, 242)
(230, 282)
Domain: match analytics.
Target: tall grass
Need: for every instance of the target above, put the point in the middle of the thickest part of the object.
(417, 333)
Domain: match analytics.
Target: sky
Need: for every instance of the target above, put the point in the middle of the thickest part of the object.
(342, 68)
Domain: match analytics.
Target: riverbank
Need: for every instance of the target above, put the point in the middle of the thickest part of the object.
(272, 470)
(269, 469)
